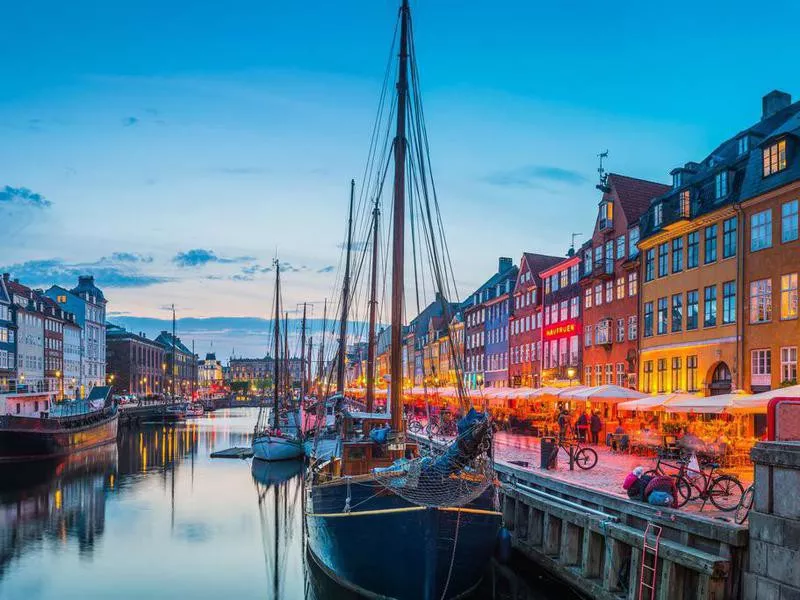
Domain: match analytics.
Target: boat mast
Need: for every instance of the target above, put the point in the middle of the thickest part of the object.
(398, 233)
(191, 382)
(276, 341)
(174, 372)
(303, 355)
(373, 304)
(321, 368)
(287, 388)
(345, 298)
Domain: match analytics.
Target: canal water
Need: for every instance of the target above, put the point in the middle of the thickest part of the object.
(155, 517)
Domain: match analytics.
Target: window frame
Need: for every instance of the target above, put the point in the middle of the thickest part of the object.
(789, 215)
(710, 234)
(764, 229)
(710, 301)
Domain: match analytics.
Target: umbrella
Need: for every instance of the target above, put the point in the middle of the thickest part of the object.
(649, 403)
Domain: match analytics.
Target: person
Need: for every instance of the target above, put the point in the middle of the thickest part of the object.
(582, 425)
(563, 425)
(595, 426)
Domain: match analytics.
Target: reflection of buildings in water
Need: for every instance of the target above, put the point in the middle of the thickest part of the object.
(55, 499)
(156, 447)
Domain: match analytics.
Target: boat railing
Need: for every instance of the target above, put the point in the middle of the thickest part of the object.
(45, 422)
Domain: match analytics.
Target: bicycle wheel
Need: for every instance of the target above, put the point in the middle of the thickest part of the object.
(652, 473)
(684, 488)
(433, 429)
(726, 492)
(586, 458)
(414, 426)
(745, 504)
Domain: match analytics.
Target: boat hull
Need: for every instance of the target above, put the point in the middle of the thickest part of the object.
(30, 439)
(325, 448)
(391, 548)
(270, 447)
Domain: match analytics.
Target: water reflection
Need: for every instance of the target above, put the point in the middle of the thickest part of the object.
(154, 517)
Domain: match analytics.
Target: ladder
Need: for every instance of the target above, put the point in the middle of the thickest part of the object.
(649, 571)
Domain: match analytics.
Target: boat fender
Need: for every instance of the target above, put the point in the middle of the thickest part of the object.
(503, 545)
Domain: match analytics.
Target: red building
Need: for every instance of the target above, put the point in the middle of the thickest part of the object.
(54, 319)
(525, 323)
(610, 282)
(561, 322)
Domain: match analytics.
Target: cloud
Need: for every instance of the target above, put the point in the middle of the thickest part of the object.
(51, 271)
(534, 176)
(130, 121)
(328, 269)
(128, 257)
(197, 257)
(22, 197)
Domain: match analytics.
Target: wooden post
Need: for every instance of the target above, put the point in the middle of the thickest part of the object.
(535, 526)
(635, 573)
(614, 557)
(551, 534)
(570, 543)
(710, 588)
(591, 560)
(520, 520)
(670, 583)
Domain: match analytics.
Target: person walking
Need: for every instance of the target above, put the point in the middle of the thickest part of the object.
(595, 426)
(582, 425)
(563, 425)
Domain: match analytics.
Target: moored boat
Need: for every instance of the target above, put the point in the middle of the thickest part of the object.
(195, 409)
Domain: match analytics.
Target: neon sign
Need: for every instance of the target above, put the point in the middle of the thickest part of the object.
(560, 330)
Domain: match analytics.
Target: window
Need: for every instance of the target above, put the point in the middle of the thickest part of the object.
(743, 145)
(647, 376)
(761, 301)
(632, 327)
(677, 312)
(649, 264)
(620, 288)
(609, 374)
(676, 373)
(648, 319)
(729, 237)
(728, 302)
(789, 365)
(602, 333)
(662, 375)
(691, 309)
(677, 179)
(598, 374)
(554, 282)
(677, 255)
(710, 306)
(564, 313)
(598, 295)
(721, 185)
(789, 221)
(774, 158)
(761, 230)
(587, 335)
(663, 253)
(564, 278)
(621, 374)
(633, 283)
(621, 247)
(692, 249)
(633, 240)
(620, 330)
(661, 327)
(587, 377)
(587, 261)
(691, 373)
(711, 244)
(789, 296)
(685, 206)
(587, 298)
(574, 307)
(609, 291)
(606, 215)
(761, 363)
(658, 214)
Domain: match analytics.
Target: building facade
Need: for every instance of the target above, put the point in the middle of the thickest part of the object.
(136, 365)
(209, 372)
(561, 322)
(525, 322)
(29, 321)
(72, 358)
(610, 282)
(54, 320)
(181, 367)
(8, 344)
(498, 311)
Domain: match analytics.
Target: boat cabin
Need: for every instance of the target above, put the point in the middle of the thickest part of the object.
(362, 452)
(25, 405)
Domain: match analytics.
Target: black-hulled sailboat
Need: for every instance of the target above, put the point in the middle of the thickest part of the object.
(384, 518)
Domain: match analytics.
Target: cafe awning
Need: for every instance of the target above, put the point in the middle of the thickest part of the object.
(602, 393)
(651, 403)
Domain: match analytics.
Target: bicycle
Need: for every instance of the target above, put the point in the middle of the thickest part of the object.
(679, 465)
(745, 504)
(725, 491)
(583, 456)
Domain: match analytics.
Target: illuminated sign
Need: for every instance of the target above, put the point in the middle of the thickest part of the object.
(559, 330)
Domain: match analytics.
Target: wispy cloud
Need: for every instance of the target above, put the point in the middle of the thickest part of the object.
(328, 269)
(56, 271)
(197, 257)
(21, 196)
(535, 176)
(130, 121)
(128, 257)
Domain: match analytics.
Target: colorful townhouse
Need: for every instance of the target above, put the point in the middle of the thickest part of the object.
(610, 282)
(8, 345)
(498, 311)
(562, 326)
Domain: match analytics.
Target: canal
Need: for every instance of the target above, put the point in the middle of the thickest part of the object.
(154, 517)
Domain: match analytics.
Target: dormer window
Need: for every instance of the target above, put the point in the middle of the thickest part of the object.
(677, 179)
(685, 207)
(658, 214)
(743, 145)
(774, 157)
(721, 185)
(606, 215)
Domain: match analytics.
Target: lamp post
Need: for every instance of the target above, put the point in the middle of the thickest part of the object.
(570, 375)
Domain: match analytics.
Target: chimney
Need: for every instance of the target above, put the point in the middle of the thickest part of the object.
(773, 102)
(86, 279)
(504, 264)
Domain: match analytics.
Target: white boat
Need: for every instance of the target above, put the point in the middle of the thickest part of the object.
(277, 446)
(195, 410)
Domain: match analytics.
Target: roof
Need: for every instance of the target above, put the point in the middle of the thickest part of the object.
(539, 262)
(488, 287)
(4, 297)
(635, 194)
(86, 285)
(165, 339)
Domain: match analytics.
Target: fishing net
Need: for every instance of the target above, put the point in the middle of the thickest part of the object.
(448, 475)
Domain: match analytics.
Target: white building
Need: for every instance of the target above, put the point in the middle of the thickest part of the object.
(30, 337)
(72, 359)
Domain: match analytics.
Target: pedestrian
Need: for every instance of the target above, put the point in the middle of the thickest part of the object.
(582, 424)
(563, 425)
(595, 426)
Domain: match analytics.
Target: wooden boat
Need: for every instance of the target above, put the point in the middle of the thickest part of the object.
(383, 520)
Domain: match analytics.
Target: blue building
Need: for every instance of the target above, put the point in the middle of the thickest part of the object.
(8, 344)
(498, 310)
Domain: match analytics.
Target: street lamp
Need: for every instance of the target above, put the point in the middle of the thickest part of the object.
(571, 375)
(60, 385)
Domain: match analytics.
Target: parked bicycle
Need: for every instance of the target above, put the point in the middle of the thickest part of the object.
(583, 456)
(745, 504)
(724, 491)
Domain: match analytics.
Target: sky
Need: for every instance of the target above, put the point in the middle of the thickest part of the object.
(173, 149)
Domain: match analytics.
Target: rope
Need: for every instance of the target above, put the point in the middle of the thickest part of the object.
(452, 556)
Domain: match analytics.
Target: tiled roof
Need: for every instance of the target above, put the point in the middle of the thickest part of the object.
(165, 339)
(539, 262)
(635, 194)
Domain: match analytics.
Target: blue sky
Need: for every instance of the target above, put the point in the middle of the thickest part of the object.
(172, 148)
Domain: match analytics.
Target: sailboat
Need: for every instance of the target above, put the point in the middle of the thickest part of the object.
(274, 436)
(386, 518)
